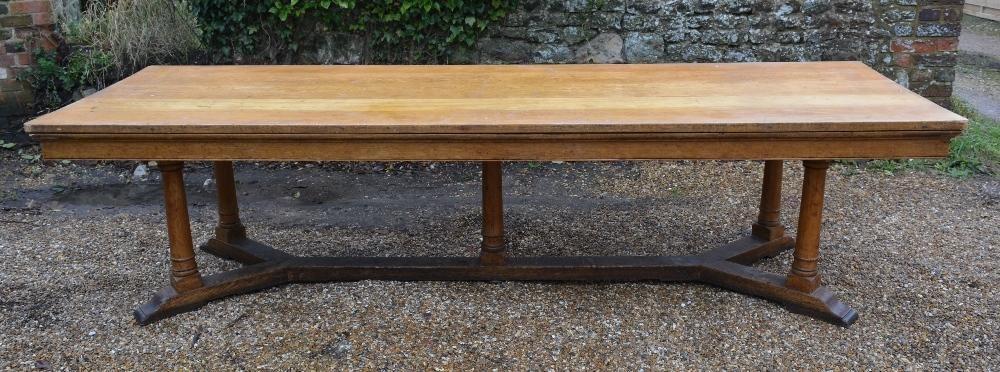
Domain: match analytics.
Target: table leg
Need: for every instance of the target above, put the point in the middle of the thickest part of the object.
(725, 266)
(804, 275)
(801, 290)
(767, 231)
(493, 250)
(230, 241)
(184, 270)
(768, 225)
(230, 228)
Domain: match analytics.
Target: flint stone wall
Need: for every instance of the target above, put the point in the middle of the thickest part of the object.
(910, 41)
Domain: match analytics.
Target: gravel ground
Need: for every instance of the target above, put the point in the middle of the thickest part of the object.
(82, 244)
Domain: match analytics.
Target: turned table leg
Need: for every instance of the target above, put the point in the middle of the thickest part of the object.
(184, 270)
(230, 229)
(230, 241)
(726, 266)
(492, 251)
(804, 275)
(768, 225)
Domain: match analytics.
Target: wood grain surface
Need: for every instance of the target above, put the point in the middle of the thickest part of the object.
(173, 109)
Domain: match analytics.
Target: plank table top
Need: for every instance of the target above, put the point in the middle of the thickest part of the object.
(798, 110)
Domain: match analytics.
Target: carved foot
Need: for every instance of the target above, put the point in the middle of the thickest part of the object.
(820, 303)
(251, 278)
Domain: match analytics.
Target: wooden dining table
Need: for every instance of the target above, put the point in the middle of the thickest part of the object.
(812, 112)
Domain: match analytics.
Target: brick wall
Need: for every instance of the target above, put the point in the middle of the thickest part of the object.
(25, 25)
(924, 46)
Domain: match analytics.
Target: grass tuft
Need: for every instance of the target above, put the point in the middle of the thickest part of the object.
(977, 150)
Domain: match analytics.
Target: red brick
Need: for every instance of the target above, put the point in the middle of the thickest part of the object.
(902, 59)
(900, 45)
(6, 60)
(22, 59)
(31, 33)
(18, 70)
(20, 20)
(11, 85)
(939, 59)
(30, 6)
(942, 44)
(39, 19)
(47, 41)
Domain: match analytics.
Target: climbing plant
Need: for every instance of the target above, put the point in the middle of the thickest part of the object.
(393, 30)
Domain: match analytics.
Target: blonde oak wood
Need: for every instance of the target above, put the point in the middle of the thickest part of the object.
(184, 275)
(810, 110)
(768, 225)
(804, 275)
(493, 248)
(647, 146)
(813, 111)
(230, 228)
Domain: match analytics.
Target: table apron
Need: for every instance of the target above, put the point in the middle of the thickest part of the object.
(527, 147)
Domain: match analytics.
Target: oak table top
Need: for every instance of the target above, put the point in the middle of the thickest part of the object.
(798, 110)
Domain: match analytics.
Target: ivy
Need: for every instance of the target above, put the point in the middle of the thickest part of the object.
(231, 29)
(393, 30)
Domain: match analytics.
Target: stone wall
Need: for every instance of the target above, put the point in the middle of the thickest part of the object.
(913, 42)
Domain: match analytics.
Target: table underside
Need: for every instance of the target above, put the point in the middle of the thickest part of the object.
(726, 266)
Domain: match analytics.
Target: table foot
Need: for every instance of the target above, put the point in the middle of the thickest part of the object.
(168, 301)
(821, 303)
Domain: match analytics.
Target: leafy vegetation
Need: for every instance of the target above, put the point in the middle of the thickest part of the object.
(7, 145)
(57, 79)
(393, 30)
(111, 42)
(977, 149)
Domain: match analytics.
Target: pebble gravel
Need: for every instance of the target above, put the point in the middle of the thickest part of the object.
(917, 254)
